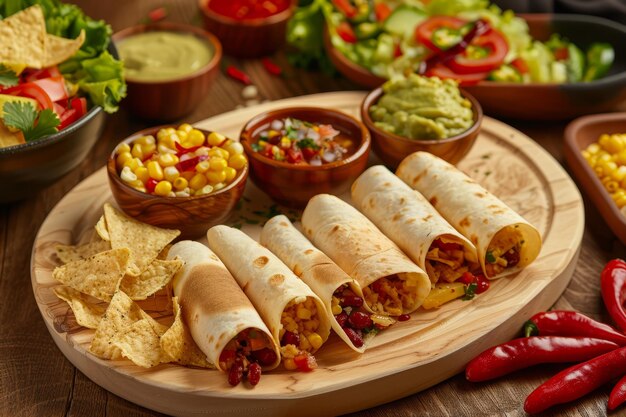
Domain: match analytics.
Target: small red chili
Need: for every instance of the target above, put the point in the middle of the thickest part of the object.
(528, 351)
(272, 67)
(150, 185)
(182, 150)
(238, 75)
(613, 285)
(618, 394)
(190, 164)
(571, 323)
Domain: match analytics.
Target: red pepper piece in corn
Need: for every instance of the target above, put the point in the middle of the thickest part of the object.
(238, 75)
(613, 285)
(528, 351)
(272, 67)
(618, 394)
(577, 381)
(571, 323)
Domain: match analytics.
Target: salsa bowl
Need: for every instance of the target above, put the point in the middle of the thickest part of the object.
(294, 184)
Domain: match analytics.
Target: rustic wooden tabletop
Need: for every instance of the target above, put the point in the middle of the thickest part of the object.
(37, 380)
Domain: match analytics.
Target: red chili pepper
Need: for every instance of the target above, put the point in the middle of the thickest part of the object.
(613, 285)
(618, 394)
(157, 14)
(528, 351)
(571, 323)
(190, 164)
(577, 381)
(272, 67)
(182, 150)
(238, 75)
(345, 32)
(151, 185)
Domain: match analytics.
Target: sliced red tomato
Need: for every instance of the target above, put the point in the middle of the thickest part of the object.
(58, 109)
(54, 87)
(382, 11)
(43, 73)
(561, 54)
(305, 362)
(68, 117)
(33, 91)
(345, 32)
(520, 65)
(346, 8)
(493, 44)
(424, 32)
(294, 156)
(80, 104)
(444, 72)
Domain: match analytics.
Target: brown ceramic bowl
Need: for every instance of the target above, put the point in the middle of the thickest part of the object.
(392, 149)
(578, 135)
(293, 185)
(249, 38)
(171, 99)
(536, 101)
(193, 216)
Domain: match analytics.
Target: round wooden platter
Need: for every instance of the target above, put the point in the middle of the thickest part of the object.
(411, 356)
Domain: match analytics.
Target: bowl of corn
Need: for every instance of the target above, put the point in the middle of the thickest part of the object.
(178, 177)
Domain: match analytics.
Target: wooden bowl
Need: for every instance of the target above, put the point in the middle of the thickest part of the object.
(392, 148)
(171, 99)
(248, 38)
(536, 101)
(193, 216)
(579, 134)
(294, 185)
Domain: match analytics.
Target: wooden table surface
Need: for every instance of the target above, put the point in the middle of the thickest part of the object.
(37, 380)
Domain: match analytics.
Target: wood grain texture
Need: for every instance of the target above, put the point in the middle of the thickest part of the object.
(407, 358)
(37, 380)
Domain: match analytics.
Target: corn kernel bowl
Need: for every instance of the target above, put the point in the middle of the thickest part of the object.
(192, 215)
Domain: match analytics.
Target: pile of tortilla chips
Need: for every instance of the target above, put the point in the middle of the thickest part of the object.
(125, 266)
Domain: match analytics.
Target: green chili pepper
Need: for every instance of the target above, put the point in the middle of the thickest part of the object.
(367, 30)
(490, 258)
(600, 57)
(506, 73)
(445, 38)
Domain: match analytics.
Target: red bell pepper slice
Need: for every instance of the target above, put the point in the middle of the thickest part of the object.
(43, 73)
(520, 65)
(345, 32)
(68, 117)
(444, 72)
(54, 87)
(80, 104)
(382, 11)
(424, 32)
(31, 90)
(496, 47)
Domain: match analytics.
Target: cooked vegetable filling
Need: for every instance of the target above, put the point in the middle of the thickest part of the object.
(391, 295)
(245, 354)
(298, 335)
(446, 261)
(504, 250)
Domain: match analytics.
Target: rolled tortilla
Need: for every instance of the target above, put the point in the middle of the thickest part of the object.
(391, 282)
(272, 287)
(407, 218)
(496, 230)
(212, 305)
(313, 267)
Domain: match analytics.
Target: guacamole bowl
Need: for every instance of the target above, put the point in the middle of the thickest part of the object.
(171, 96)
(392, 148)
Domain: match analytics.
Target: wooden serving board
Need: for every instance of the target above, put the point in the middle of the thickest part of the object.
(411, 356)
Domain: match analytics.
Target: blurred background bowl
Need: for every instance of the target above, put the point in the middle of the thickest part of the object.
(171, 99)
(293, 185)
(392, 148)
(193, 216)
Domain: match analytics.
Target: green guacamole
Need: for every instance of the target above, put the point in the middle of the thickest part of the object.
(424, 108)
(162, 55)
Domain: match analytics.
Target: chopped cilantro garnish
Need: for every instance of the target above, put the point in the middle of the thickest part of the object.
(307, 143)
(373, 330)
(33, 124)
(490, 258)
(470, 291)
(8, 77)
(256, 147)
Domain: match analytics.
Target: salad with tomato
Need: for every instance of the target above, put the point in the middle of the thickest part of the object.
(466, 40)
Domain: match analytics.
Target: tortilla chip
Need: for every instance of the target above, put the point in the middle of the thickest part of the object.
(101, 229)
(23, 38)
(60, 49)
(87, 314)
(8, 138)
(157, 276)
(140, 343)
(98, 275)
(71, 253)
(144, 241)
(178, 343)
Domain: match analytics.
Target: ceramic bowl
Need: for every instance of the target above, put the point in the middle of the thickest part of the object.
(537, 101)
(171, 99)
(249, 38)
(579, 134)
(193, 216)
(293, 185)
(392, 148)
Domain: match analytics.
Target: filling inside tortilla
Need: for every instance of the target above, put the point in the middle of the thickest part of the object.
(446, 261)
(251, 346)
(298, 335)
(393, 294)
(504, 250)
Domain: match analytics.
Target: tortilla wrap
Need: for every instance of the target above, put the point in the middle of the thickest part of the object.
(407, 218)
(475, 212)
(361, 250)
(310, 264)
(267, 282)
(212, 304)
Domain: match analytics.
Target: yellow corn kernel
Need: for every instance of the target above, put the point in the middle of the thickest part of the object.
(289, 364)
(336, 309)
(182, 193)
(148, 150)
(207, 189)
(237, 161)
(142, 174)
(163, 188)
(586, 155)
(180, 183)
(137, 151)
(202, 151)
(315, 340)
(234, 148)
(302, 313)
(188, 175)
(163, 133)
(186, 127)
(133, 164)
(231, 173)
(122, 158)
(198, 181)
(195, 137)
(304, 343)
(594, 148)
(620, 158)
(171, 173)
(182, 135)
(619, 174)
(215, 139)
(146, 140)
(218, 186)
(123, 147)
(163, 149)
(168, 160)
(285, 142)
(155, 171)
(218, 164)
(203, 166)
(621, 202)
(215, 176)
(272, 133)
(127, 175)
(614, 144)
(611, 186)
(311, 325)
(262, 143)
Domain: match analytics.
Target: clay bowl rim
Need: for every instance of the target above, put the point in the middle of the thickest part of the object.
(114, 176)
(281, 113)
(372, 98)
(206, 36)
(281, 16)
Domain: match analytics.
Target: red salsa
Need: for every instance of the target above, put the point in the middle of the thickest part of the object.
(304, 143)
(248, 9)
